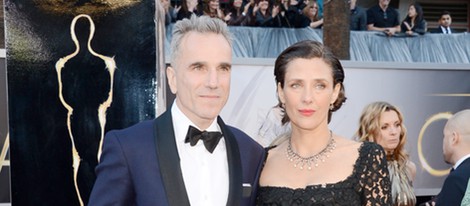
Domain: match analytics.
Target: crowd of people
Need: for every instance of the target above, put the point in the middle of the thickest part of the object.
(306, 13)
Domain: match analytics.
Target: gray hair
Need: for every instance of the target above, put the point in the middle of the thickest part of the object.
(202, 24)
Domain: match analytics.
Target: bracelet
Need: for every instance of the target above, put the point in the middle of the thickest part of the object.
(243, 13)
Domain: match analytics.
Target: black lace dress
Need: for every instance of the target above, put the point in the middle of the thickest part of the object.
(369, 184)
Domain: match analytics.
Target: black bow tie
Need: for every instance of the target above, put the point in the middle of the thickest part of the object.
(211, 139)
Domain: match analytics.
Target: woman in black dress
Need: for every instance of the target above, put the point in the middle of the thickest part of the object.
(310, 165)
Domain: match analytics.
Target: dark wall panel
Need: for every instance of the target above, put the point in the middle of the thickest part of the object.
(65, 60)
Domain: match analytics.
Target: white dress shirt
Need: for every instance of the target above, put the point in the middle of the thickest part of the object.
(460, 161)
(205, 175)
(446, 30)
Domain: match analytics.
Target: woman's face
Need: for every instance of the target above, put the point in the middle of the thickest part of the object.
(390, 129)
(412, 11)
(237, 3)
(308, 92)
(191, 3)
(214, 4)
(314, 9)
(263, 4)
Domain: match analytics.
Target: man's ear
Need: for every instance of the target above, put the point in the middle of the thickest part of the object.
(171, 77)
(455, 138)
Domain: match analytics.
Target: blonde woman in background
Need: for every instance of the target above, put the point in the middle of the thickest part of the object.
(382, 123)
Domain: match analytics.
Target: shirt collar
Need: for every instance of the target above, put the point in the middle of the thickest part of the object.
(181, 123)
(460, 161)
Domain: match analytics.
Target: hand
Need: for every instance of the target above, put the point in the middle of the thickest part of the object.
(255, 9)
(390, 31)
(247, 6)
(220, 14)
(177, 8)
(228, 16)
(275, 11)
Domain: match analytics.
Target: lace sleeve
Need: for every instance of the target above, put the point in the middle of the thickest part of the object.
(374, 176)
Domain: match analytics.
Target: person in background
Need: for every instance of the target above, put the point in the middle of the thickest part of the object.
(382, 17)
(414, 21)
(266, 16)
(444, 21)
(187, 155)
(311, 165)
(212, 9)
(358, 19)
(170, 12)
(456, 151)
(310, 16)
(238, 13)
(188, 8)
(382, 123)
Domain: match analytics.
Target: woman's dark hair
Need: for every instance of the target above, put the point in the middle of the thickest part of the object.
(309, 49)
(419, 13)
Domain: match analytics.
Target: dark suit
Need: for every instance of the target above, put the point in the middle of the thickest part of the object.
(455, 185)
(140, 166)
(438, 30)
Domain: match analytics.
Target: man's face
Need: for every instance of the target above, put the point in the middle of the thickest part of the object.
(201, 76)
(447, 145)
(445, 20)
(384, 3)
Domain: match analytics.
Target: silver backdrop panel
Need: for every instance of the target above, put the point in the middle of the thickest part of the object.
(426, 94)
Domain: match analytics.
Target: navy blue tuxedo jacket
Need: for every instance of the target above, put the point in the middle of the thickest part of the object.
(438, 30)
(454, 186)
(140, 166)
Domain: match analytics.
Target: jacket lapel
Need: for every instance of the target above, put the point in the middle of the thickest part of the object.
(169, 161)
(234, 165)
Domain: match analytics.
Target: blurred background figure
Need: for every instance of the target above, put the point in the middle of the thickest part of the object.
(382, 123)
(358, 19)
(311, 16)
(414, 21)
(382, 17)
(266, 14)
(239, 14)
(212, 9)
(444, 24)
(188, 8)
(170, 12)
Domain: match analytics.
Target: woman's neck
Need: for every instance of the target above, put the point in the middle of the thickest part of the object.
(308, 143)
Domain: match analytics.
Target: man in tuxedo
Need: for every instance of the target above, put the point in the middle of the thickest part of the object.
(188, 155)
(444, 24)
(456, 150)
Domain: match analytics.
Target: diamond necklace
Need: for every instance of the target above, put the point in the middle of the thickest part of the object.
(302, 162)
